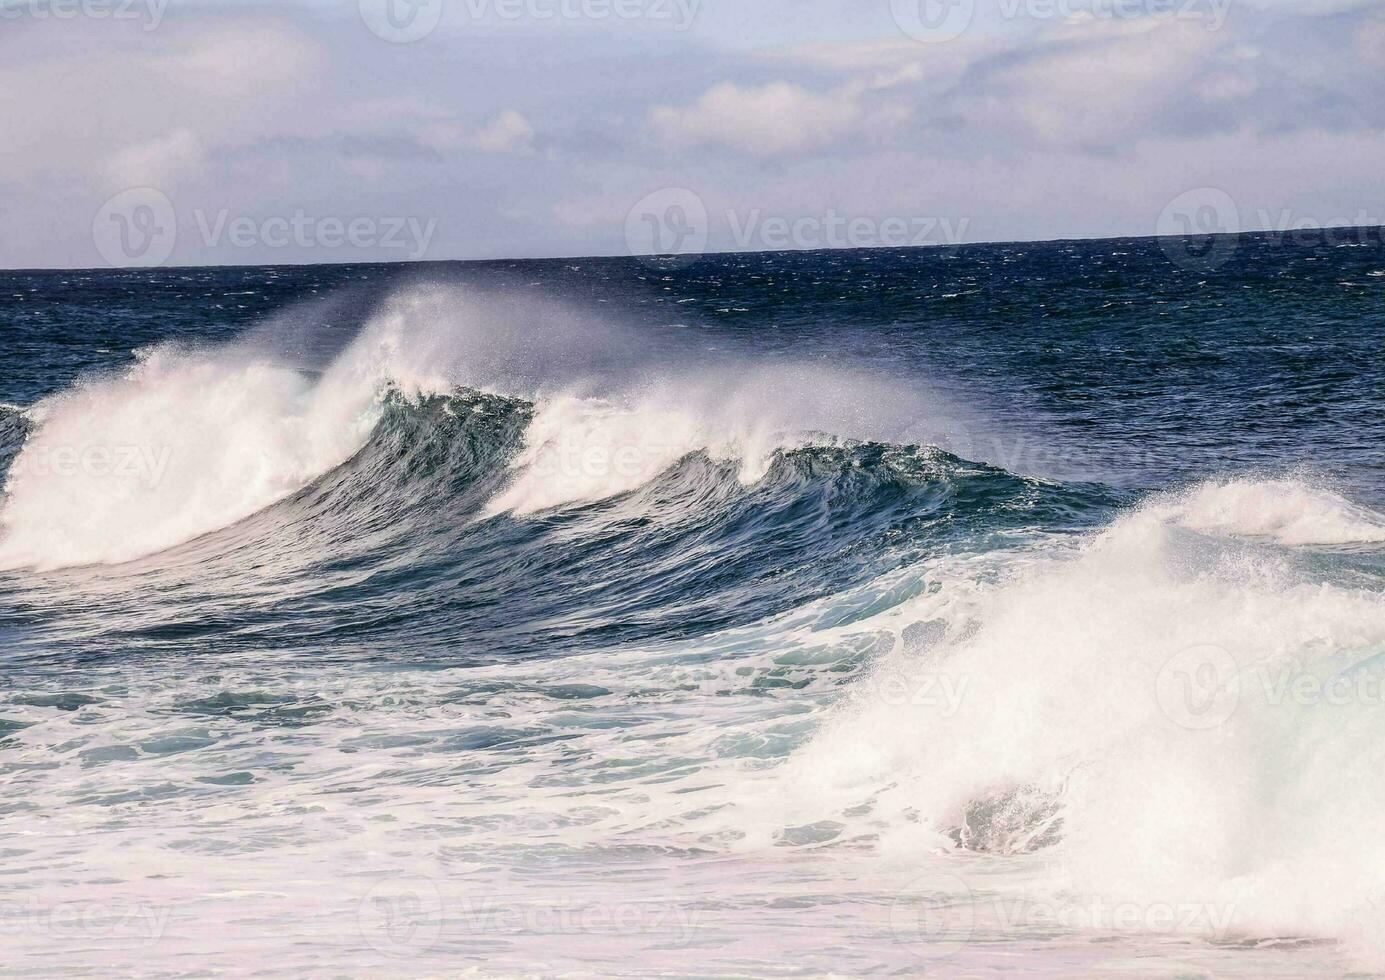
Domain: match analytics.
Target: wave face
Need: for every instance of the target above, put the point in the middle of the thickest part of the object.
(1181, 711)
(552, 616)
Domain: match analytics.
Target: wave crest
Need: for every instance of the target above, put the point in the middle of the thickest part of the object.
(189, 441)
(1291, 512)
(1176, 717)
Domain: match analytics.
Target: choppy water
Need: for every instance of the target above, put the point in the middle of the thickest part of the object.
(1003, 608)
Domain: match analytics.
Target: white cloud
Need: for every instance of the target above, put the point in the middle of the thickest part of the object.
(887, 64)
(1370, 42)
(1090, 84)
(164, 104)
(768, 120)
(445, 137)
(157, 162)
(852, 55)
(1045, 129)
(242, 59)
(508, 132)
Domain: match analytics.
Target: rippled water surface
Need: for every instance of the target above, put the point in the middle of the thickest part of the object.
(969, 611)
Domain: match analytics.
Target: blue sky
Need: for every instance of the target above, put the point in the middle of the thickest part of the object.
(237, 132)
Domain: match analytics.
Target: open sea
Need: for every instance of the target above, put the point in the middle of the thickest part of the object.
(976, 611)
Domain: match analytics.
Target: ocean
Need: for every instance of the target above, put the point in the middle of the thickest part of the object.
(952, 611)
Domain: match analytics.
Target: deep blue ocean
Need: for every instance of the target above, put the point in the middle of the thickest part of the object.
(948, 610)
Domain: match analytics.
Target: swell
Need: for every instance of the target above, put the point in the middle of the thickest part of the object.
(1001, 644)
(1181, 708)
(405, 538)
(387, 489)
(190, 440)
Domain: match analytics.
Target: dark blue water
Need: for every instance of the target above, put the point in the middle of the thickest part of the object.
(1273, 355)
(547, 484)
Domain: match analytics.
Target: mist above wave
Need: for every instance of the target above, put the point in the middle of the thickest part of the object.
(193, 439)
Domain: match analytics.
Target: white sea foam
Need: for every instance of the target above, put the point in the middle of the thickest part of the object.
(183, 443)
(1207, 722)
(1291, 512)
(580, 450)
(192, 440)
(612, 410)
(650, 810)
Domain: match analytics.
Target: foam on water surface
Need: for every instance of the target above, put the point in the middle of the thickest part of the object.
(488, 635)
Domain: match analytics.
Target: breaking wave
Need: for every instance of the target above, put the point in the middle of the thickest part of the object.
(1171, 697)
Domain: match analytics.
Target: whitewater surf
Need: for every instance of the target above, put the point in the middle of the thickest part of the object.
(552, 616)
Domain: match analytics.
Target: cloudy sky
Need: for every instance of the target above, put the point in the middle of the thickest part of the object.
(182, 132)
